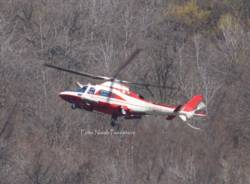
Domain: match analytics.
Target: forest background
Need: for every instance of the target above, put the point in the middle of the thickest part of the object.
(195, 46)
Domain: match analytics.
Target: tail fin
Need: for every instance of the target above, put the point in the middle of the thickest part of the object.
(189, 109)
(192, 103)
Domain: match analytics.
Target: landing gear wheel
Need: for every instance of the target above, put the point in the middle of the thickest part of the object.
(123, 111)
(73, 106)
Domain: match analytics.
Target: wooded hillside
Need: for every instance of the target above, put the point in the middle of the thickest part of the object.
(195, 46)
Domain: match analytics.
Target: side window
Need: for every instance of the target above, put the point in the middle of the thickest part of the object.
(91, 90)
(84, 89)
(81, 90)
(105, 93)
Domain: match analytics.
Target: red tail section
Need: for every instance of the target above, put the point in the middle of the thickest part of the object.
(189, 109)
(192, 104)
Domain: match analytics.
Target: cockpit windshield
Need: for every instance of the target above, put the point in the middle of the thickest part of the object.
(82, 90)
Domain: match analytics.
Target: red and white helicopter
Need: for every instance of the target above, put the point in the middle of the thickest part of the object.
(115, 98)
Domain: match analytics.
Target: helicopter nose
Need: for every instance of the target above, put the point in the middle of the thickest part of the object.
(63, 95)
(70, 97)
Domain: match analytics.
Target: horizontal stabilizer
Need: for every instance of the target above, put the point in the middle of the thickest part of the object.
(200, 114)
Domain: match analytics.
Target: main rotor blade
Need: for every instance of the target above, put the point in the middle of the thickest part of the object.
(127, 62)
(98, 77)
(78, 73)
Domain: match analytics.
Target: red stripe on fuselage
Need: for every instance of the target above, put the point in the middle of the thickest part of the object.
(107, 108)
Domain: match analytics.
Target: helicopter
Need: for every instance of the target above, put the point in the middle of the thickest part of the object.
(114, 97)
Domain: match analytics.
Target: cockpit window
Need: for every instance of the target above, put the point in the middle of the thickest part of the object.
(82, 90)
(91, 90)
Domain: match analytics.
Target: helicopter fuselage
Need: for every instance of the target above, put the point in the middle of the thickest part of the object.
(115, 99)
